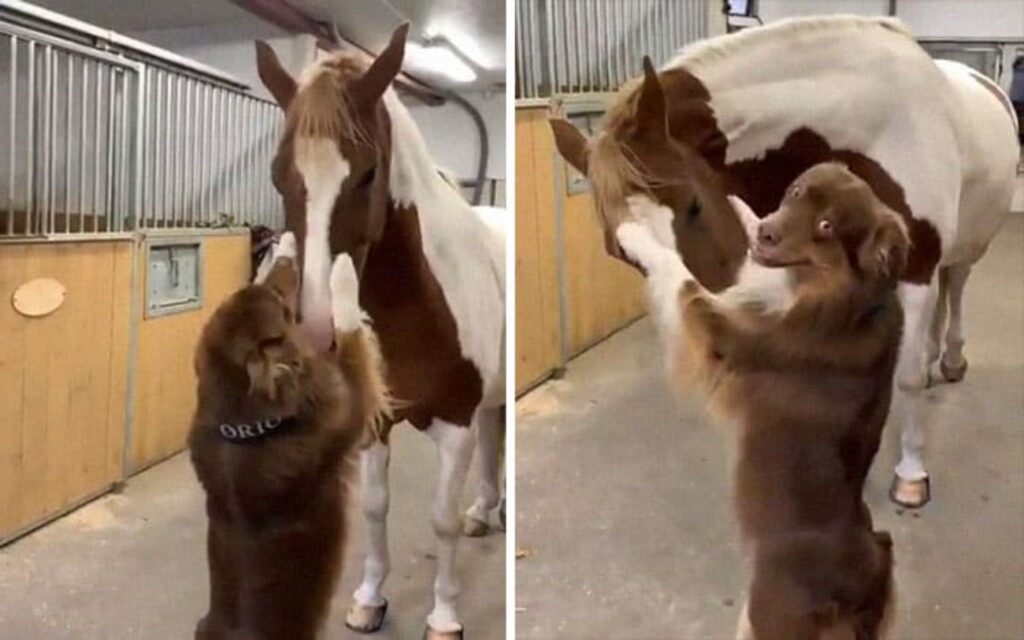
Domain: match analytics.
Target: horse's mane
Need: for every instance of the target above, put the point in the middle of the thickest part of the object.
(321, 107)
(614, 174)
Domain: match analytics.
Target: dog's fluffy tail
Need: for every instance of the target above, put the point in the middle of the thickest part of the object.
(358, 350)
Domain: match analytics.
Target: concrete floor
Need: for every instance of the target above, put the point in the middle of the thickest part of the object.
(133, 566)
(623, 493)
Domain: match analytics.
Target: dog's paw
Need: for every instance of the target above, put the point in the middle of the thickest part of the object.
(286, 247)
(345, 295)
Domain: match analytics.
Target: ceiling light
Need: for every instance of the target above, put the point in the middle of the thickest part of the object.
(438, 58)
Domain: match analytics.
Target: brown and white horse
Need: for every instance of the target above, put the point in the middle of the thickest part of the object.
(749, 112)
(356, 178)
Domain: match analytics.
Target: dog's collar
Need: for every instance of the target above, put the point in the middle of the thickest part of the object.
(255, 430)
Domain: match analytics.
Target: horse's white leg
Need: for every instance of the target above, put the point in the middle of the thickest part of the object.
(910, 486)
(485, 513)
(369, 606)
(938, 324)
(455, 449)
(953, 364)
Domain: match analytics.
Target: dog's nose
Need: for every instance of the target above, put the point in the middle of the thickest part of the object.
(767, 234)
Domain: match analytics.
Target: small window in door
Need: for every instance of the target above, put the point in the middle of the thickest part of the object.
(172, 278)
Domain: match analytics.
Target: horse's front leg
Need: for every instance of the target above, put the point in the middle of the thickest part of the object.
(910, 487)
(455, 450)
(369, 606)
(486, 513)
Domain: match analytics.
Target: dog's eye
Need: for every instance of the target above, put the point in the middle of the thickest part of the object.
(824, 227)
(274, 341)
(796, 192)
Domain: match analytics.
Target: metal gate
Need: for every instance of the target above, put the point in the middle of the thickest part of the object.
(594, 46)
(100, 137)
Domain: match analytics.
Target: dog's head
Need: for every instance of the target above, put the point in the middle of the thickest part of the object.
(252, 337)
(830, 224)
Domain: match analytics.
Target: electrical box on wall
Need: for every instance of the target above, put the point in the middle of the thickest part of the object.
(173, 277)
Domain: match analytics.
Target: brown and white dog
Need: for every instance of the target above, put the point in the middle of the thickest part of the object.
(807, 373)
(273, 442)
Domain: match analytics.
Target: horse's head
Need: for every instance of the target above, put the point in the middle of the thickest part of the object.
(638, 171)
(332, 163)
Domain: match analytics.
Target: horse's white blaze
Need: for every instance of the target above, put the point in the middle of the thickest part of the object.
(460, 249)
(323, 170)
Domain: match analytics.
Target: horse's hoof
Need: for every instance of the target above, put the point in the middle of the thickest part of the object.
(951, 373)
(431, 634)
(364, 619)
(910, 494)
(475, 528)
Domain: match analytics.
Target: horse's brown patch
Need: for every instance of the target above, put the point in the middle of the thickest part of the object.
(428, 375)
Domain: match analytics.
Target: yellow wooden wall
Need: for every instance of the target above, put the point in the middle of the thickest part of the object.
(602, 295)
(62, 379)
(165, 381)
(537, 315)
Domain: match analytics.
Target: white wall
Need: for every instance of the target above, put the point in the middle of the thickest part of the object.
(452, 137)
(927, 18)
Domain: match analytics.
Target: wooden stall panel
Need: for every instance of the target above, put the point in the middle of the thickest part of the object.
(165, 384)
(62, 379)
(537, 313)
(603, 294)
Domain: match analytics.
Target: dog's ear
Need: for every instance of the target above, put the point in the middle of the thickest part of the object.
(883, 254)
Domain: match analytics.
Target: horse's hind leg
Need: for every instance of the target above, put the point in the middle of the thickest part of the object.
(455, 450)
(938, 326)
(953, 364)
(910, 487)
(369, 607)
(486, 512)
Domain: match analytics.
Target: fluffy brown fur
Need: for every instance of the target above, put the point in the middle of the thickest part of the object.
(276, 506)
(811, 389)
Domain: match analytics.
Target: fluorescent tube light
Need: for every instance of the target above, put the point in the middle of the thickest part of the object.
(439, 59)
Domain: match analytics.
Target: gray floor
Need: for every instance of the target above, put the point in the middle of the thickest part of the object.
(623, 511)
(132, 566)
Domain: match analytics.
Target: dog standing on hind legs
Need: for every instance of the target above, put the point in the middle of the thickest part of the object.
(274, 442)
(807, 374)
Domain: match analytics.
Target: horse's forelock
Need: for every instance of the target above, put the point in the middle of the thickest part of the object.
(322, 107)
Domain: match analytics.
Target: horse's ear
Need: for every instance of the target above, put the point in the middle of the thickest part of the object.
(650, 109)
(571, 143)
(278, 81)
(372, 85)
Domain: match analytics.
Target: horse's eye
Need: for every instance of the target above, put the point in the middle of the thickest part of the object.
(367, 178)
(694, 209)
(824, 227)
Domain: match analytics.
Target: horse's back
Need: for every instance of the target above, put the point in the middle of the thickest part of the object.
(984, 118)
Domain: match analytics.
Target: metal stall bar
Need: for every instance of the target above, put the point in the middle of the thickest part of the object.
(12, 155)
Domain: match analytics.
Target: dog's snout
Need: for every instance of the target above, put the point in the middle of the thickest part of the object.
(767, 234)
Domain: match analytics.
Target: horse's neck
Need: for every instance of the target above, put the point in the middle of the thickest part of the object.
(414, 176)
